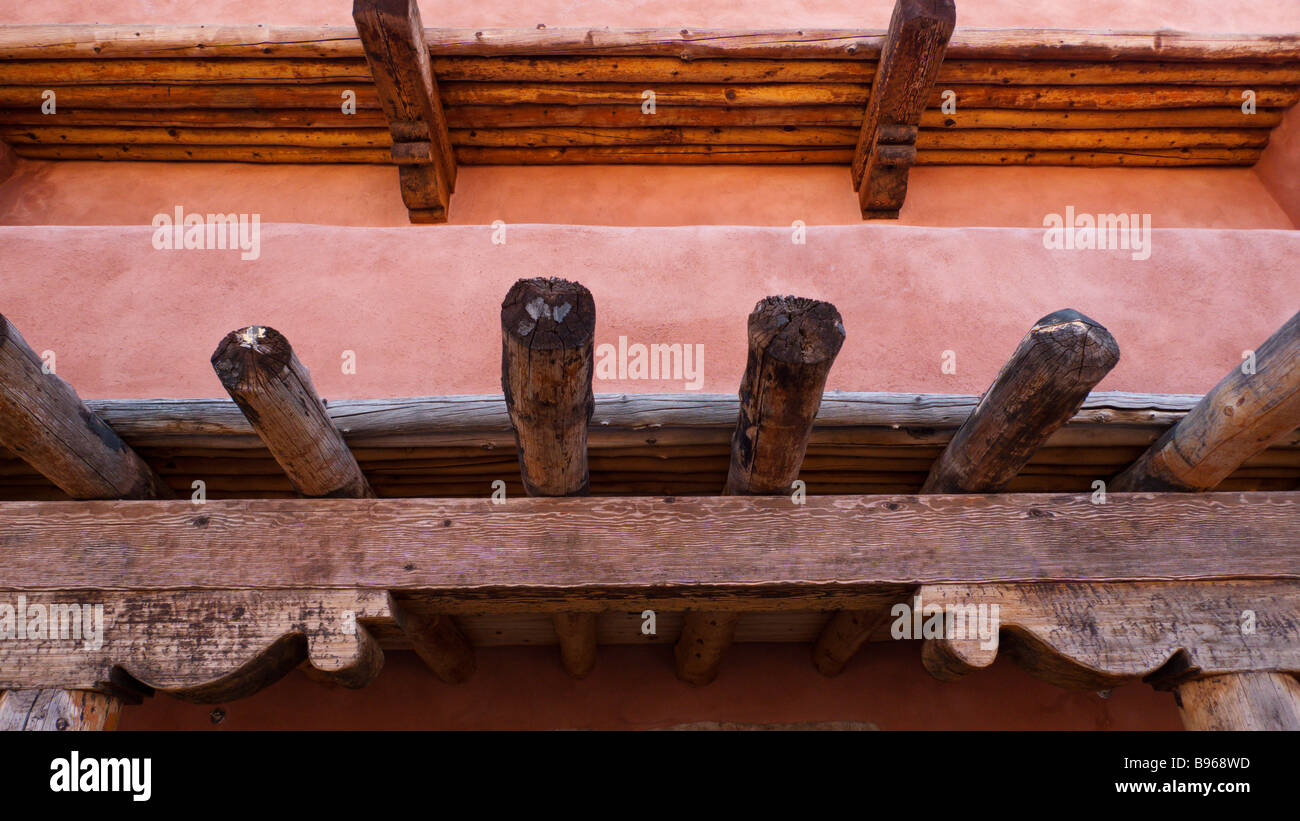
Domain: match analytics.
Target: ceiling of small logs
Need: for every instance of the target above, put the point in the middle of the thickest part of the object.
(553, 97)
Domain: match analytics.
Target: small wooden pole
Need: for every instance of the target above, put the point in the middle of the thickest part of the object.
(439, 641)
(909, 64)
(1241, 416)
(792, 344)
(1040, 387)
(258, 368)
(44, 422)
(1246, 412)
(1240, 701)
(548, 328)
(393, 38)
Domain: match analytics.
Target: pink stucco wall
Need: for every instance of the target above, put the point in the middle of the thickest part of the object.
(1182, 15)
(55, 193)
(413, 303)
(1279, 168)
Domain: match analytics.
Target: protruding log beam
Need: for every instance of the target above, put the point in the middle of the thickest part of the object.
(393, 38)
(58, 710)
(44, 422)
(258, 368)
(792, 344)
(1241, 416)
(909, 64)
(1240, 701)
(1044, 383)
(548, 329)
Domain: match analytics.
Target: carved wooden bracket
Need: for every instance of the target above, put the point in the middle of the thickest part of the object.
(1096, 636)
(200, 646)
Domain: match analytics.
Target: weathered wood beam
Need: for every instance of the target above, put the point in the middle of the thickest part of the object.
(1241, 701)
(548, 329)
(53, 709)
(1038, 390)
(44, 422)
(1256, 404)
(792, 344)
(1248, 410)
(258, 368)
(909, 63)
(394, 42)
(596, 547)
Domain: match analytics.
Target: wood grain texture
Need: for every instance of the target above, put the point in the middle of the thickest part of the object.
(262, 374)
(439, 642)
(792, 343)
(596, 545)
(909, 64)
(204, 647)
(547, 347)
(58, 710)
(43, 421)
(1241, 701)
(393, 37)
(1094, 636)
(1239, 417)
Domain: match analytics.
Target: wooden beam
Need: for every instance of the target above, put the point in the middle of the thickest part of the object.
(792, 344)
(1241, 701)
(44, 422)
(585, 548)
(1239, 417)
(548, 331)
(909, 63)
(55, 709)
(1038, 390)
(394, 42)
(258, 368)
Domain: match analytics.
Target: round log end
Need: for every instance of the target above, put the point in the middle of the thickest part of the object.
(1082, 345)
(549, 313)
(248, 350)
(796, 330)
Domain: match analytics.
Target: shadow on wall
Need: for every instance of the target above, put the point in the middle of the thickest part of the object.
(7, 162)
(1279, 167)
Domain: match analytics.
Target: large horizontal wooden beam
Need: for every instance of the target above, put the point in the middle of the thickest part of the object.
(32, 42)
(675, 546)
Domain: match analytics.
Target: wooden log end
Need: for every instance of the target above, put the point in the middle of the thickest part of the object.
(248, 352)
(795, 330)
(1084, 347)
(549, 313)
(941, 13)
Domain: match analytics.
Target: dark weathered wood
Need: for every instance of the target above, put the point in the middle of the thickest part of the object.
(54, 709)
(548, 331)
(393, 37)
(45, 423)
(616, 546)
(1037, 391)
(792, 344)
(438, 640)
(258, 368)
(1239, 417)
(1241, 701)
(909, 63)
